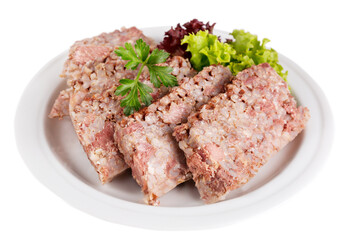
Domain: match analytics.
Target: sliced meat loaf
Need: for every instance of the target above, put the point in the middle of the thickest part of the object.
(86, 54)
(228, 139)
(145, 138)
(94, 109)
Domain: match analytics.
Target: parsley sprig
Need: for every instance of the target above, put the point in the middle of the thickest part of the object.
(133, 88)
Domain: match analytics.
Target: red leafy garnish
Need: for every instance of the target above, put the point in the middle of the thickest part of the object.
(173, 37)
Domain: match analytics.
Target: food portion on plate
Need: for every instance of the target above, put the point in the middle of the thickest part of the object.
(228, 139)
(190, 107)
(145, 138)
(85, 55)
(92, 76)
(91, 71)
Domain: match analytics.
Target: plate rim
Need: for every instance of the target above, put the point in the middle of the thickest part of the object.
(183, 219)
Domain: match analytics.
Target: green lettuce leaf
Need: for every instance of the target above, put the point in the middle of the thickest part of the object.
(245, 51)
(250, 51)
(218, 52)
(206, 49)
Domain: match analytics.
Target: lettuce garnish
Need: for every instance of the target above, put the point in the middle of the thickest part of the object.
(206, 49)
(243, 52)
(172, 40)
(250, 51)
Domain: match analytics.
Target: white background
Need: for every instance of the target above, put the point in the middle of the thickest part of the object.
(320, 36)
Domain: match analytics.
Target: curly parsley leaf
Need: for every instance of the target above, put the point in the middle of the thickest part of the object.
(142, 50)
(131, 102)
(133, 89)
(128, 53)
(125, 87)
(161, 75)
(158, 56)
(144, 91)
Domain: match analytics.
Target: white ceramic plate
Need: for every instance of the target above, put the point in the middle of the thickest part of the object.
(52, 152)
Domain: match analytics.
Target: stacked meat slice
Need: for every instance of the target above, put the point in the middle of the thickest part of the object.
(92, 73)
(86, 54)
(235, 133)
(146, 140)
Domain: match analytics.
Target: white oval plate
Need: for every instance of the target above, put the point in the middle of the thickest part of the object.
(52, 152)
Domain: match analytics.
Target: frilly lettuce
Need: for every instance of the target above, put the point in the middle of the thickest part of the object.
(206, 49)
(246, 50)
(250, 51)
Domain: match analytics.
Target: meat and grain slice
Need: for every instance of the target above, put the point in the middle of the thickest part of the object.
(94, 109)
(235, 133)
(92, 71)
(60, 107)
(145, 138)
(87, 54)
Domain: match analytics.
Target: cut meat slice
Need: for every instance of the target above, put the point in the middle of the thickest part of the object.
(87, 54)
(236, 132)
(61, 105)
(94, 109)
(145, 138)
